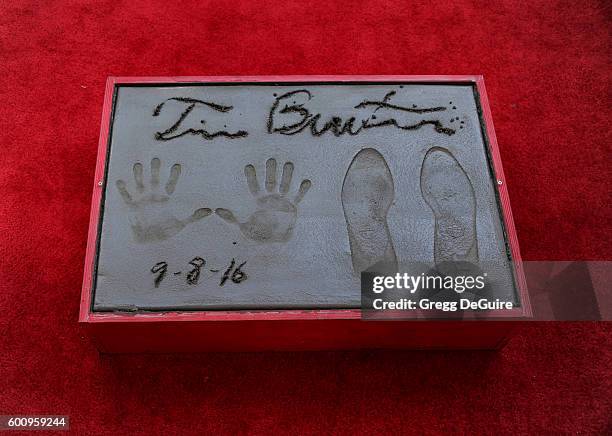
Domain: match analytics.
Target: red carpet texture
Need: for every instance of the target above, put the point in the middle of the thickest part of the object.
(547, 70)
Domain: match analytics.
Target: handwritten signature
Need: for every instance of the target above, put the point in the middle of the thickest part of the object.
(289, 115)
(173, 131)
(303, 119)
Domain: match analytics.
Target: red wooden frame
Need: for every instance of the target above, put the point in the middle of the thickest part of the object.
(256, 317)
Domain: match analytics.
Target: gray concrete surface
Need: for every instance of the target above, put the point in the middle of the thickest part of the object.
(270, 193)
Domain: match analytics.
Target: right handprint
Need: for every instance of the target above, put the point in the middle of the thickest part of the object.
(274, 219)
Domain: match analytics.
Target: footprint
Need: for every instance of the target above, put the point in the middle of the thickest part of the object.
(447, 190)
(367, 194)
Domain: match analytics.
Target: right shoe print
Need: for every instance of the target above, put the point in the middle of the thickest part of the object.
(447, 190)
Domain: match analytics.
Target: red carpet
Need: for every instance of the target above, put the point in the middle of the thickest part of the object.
(547, 69)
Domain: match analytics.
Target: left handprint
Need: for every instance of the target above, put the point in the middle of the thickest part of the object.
(150, 217)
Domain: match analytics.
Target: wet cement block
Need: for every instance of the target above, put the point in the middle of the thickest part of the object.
(252, 196)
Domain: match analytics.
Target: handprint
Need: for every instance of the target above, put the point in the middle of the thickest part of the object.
(150, 217)
(274, 219)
